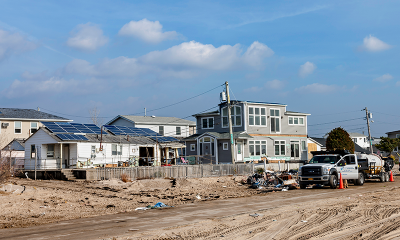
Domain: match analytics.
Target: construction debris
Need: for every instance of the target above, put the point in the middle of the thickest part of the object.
(273, 181)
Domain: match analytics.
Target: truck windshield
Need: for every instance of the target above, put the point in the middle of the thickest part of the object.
(324, 159)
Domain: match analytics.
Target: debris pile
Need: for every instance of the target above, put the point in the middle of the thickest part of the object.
(274, 181)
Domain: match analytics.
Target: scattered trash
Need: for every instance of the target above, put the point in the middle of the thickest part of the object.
(250, 231)
(223, 186)
(26, 174)
(43, 207)
(141, 208)
(108, 206)
(198, 197)
(259, 187)
(278, 186)
(274, 220)
(254, 215)
(133, 229)
(158, 205)
(303, 221)
(284, 190)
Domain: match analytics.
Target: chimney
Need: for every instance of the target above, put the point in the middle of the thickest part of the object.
(145, 112)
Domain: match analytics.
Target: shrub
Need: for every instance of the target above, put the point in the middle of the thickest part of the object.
(5, 170)
(125, 178)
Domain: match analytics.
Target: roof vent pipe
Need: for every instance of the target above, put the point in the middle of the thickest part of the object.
(145, 112)
(38, 109)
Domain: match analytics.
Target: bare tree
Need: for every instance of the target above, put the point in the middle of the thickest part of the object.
(94, 116)
(6, 156)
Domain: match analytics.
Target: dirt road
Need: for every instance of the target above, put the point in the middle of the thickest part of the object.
(367, 212)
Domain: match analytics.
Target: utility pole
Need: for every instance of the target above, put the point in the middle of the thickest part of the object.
(230, 123)
(369, 130)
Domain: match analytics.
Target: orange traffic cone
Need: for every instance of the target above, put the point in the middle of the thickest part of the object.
(391, 177)
(341, 182)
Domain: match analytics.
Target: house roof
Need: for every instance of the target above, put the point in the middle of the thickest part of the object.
(321, 141)
(355, 134)
(206, 113)
(270, 103)
(17, 144)
(398, 131)
(29, 114)
(297, 113)
(154, 120)
(220, 135)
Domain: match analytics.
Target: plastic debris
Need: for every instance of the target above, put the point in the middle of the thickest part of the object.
(284, 190)
(274, 220)
(141, 208)
(303, 221)
(198, 197)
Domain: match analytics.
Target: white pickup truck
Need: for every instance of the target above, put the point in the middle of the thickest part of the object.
(324, 168)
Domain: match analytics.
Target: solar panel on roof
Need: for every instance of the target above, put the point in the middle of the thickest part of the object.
(62, 127)
(72, 137)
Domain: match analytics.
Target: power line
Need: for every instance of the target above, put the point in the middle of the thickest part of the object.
(151, 110)
(386, 114)
(335, 122)
(313, 129)
(332, 113)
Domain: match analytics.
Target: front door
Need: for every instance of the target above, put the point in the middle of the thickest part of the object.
(294, 150)
(239, 152)
(65, 163)
(206, 152)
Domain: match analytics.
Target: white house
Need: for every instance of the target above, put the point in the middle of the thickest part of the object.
(166, 126)
(360, 139)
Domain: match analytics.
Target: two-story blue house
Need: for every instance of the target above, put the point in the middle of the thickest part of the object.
(260, 130)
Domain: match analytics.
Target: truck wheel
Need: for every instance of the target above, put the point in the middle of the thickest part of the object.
(303, 186)
(333, 182)
(382, 177)
(360, 180)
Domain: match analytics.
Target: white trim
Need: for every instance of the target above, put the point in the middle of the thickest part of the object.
(298, 121)
(254, 120)
(15, 128)
(225, 144)
(208, 123)
(233, 125)
(305, 145)
(280, 122)
(254, 144)
(279, 147)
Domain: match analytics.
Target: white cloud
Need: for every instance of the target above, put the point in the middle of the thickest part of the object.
(256, 53)
(373, 44)
(184, 60)
(147, 31)
(87, 37)
(306, 69)
(274, 84)
(253, 89)
(384, 78)
(317, 88)
(398, 84)
(13, 43)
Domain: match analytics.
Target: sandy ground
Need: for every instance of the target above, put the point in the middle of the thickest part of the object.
(374, 215)
(26, 202)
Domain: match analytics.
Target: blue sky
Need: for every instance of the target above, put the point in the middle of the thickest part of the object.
(327, 58)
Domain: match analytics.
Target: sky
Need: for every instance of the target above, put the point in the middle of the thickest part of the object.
(330, 59)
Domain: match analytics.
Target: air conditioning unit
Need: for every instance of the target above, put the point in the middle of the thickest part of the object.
(5, 125)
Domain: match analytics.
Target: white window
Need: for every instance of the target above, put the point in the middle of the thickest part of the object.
(178, 130)
(257, 148)
(192, 147)
(116, 149)
(280, 148)
(355, 140)
(17, 127)
(207, 123)
(161, 130)
(296, 121)
(236, 116)
(93, 152)
(34, 127)
(303, 145)
(257, 116)
(275, 120)
(225, 146)
(50, 151)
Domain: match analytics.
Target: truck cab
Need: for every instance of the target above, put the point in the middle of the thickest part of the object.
(325, 166)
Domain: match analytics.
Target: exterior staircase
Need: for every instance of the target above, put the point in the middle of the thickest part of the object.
(69, 175)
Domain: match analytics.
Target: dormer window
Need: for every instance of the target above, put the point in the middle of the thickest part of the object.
(236, 115)
(207, 123)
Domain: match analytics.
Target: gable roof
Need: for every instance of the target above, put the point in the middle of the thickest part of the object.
(154, 120)
(29, 114)
(355, 134)
(321, 141)
(17, 144)
(206, 113)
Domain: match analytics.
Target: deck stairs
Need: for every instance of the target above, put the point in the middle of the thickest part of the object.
(69, 175)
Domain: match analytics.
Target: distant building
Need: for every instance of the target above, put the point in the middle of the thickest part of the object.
(360, 139)
(22, 123)
(166, 126)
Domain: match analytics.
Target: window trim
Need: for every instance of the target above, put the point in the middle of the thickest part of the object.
(294, 124)
(193, 147)
(208, 123)
(54, 151)
(266, 116)
(180, 131)
(280, 122)
(225, 146)
(159, 132)
(118, 153)
(305, 145)
(37, 127)
(280, 144)
(20, 128)
(260, 144)
(233, 125)
(34, 151)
